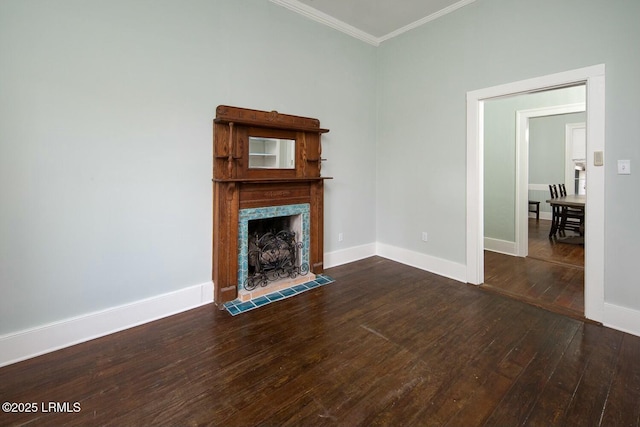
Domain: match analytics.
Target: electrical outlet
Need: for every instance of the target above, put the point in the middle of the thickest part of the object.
(425, 237)
(340, 237)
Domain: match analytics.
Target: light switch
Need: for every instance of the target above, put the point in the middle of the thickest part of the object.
(598, 158)
(624, 167)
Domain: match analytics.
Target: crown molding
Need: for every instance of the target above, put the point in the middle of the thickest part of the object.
(426, 19)
(327, 20)
(330, 21)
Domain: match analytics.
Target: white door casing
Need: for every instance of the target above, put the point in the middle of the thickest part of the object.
(594, 78)
(522, 167)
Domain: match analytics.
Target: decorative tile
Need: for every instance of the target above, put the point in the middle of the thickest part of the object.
(300, 288)
(323, 279)
(275, 296)
(232, 309)
(287, 292)
(261, 301)
(236, 307)
(246, 215)
(244, 306)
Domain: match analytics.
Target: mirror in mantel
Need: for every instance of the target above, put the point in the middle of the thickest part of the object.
(271, 153)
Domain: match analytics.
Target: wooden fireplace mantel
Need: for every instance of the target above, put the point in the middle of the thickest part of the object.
(237, 185)
(270, 119)
(272, 180)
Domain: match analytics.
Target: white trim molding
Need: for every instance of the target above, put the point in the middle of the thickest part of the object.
(543, 215)
(328, 20)
(26, 344)
(29, 343)
(439, 266)
(594, 78)
(501, 246)
(33, 342)
(345, 256)
(614, 316)
(522, 166)
(539, 187)
(426, 19)
(622, 319)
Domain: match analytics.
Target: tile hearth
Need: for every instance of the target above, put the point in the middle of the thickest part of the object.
(238, 306)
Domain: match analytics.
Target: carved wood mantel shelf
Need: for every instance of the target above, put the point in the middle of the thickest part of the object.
(240, 184)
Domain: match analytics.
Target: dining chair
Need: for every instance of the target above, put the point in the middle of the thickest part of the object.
(571, 218)
(534, 207)
(555, 210)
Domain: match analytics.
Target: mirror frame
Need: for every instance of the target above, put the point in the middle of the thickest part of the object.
(260, 132)
(264, 156)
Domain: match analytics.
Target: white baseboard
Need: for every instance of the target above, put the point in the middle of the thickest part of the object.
(500, 246)
(622, 319)
(345, 256)
(543, 215)
(439, 266)
(431, 264)
(26, 344)
(29, 343)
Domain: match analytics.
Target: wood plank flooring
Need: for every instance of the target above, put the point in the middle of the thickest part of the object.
(553, 250)
(551, 277)
(386, 344)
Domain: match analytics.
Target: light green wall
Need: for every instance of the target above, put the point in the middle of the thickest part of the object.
(500, 154)
(106, 112)
(105, 132)
(547, 148)
(424, 76)
(547, 153)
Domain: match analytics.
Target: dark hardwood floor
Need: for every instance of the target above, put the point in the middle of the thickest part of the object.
(551, 277)
(553, 250)
(386, 344)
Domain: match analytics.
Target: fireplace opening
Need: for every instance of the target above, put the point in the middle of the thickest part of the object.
(274, 251)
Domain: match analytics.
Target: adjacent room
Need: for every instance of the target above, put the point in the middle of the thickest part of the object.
(420, 133)
(529, 150)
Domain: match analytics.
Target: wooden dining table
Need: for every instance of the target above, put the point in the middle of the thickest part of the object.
(573, 200)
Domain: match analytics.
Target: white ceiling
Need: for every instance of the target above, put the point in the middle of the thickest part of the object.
(373, 21)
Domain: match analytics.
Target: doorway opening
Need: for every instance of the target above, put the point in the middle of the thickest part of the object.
(594, 79)
(526, 151)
